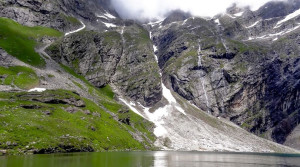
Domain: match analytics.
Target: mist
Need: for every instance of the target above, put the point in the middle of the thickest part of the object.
(156, 9)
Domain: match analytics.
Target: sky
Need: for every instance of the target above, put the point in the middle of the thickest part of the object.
(151, 9)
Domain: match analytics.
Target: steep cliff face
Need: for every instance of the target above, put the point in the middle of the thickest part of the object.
(245, 72)
(63, 15)
(37, 12)
(123, 57)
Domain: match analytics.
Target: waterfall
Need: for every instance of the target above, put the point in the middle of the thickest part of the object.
(201, 78)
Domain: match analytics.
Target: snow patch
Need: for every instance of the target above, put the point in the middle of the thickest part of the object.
(185, 21)
(101, 16)
(254, 24)
(239, 14)
(288, 17)
(37, 90)
(158, 22)
(218, 22)
(109, 15)
(108, 25)
(275, 34)
(131, 107)
(106, 16)
(157, 118)
(230, 16)
(83, 27)
(171, 99)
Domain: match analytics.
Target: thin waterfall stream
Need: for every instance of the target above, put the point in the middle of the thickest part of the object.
(201, 78)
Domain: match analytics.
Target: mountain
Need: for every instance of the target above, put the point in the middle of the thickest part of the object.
(183, 83)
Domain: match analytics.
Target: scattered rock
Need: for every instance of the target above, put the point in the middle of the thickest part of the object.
(87, 112)
(124, 116)
(11, 144)
(47, 112)
(33, 106)
(96, 114)
(72, 109)
(93, 128)
(70, 101)
(3, 152)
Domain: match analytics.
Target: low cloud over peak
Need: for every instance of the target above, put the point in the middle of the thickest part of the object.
(150, 9)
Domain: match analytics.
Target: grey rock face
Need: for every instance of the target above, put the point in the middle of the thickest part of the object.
(125, 60)
(57, 14)
(253, 83)
(94, 55)
(176, 15)
(137, 73)
(278, 9)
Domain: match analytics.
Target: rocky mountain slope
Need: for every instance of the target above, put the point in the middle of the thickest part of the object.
(247, 73)
(110, 80)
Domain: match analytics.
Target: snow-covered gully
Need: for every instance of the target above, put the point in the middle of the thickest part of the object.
(183, 126)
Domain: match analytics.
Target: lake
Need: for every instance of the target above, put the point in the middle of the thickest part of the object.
(151, 159)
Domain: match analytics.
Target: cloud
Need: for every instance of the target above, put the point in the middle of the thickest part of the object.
(142, 9)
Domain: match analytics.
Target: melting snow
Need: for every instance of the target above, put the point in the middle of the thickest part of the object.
(168, 95)
(230, 16)
(253, 24)
(106, 16)
(185, 21)
(101, 16)
(160, 20)
(158, 116)
(37, 90)
(276, 34)
(108, 25)
(171, 99)
(83, 27)
(109, 15)
(238, 14)
(131, 107)
(288, 17)
(218, 22)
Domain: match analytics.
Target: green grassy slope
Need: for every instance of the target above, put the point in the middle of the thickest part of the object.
(106, 99)
(34, 126)
(20, 41)
(22, 77)
(51, 121)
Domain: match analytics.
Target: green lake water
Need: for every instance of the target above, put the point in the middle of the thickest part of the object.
(151, 159)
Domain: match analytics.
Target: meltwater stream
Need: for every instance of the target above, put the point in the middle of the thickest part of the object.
(152, 159)
(201, 77)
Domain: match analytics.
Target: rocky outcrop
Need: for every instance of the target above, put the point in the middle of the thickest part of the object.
(124, 59)
(57, 14)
